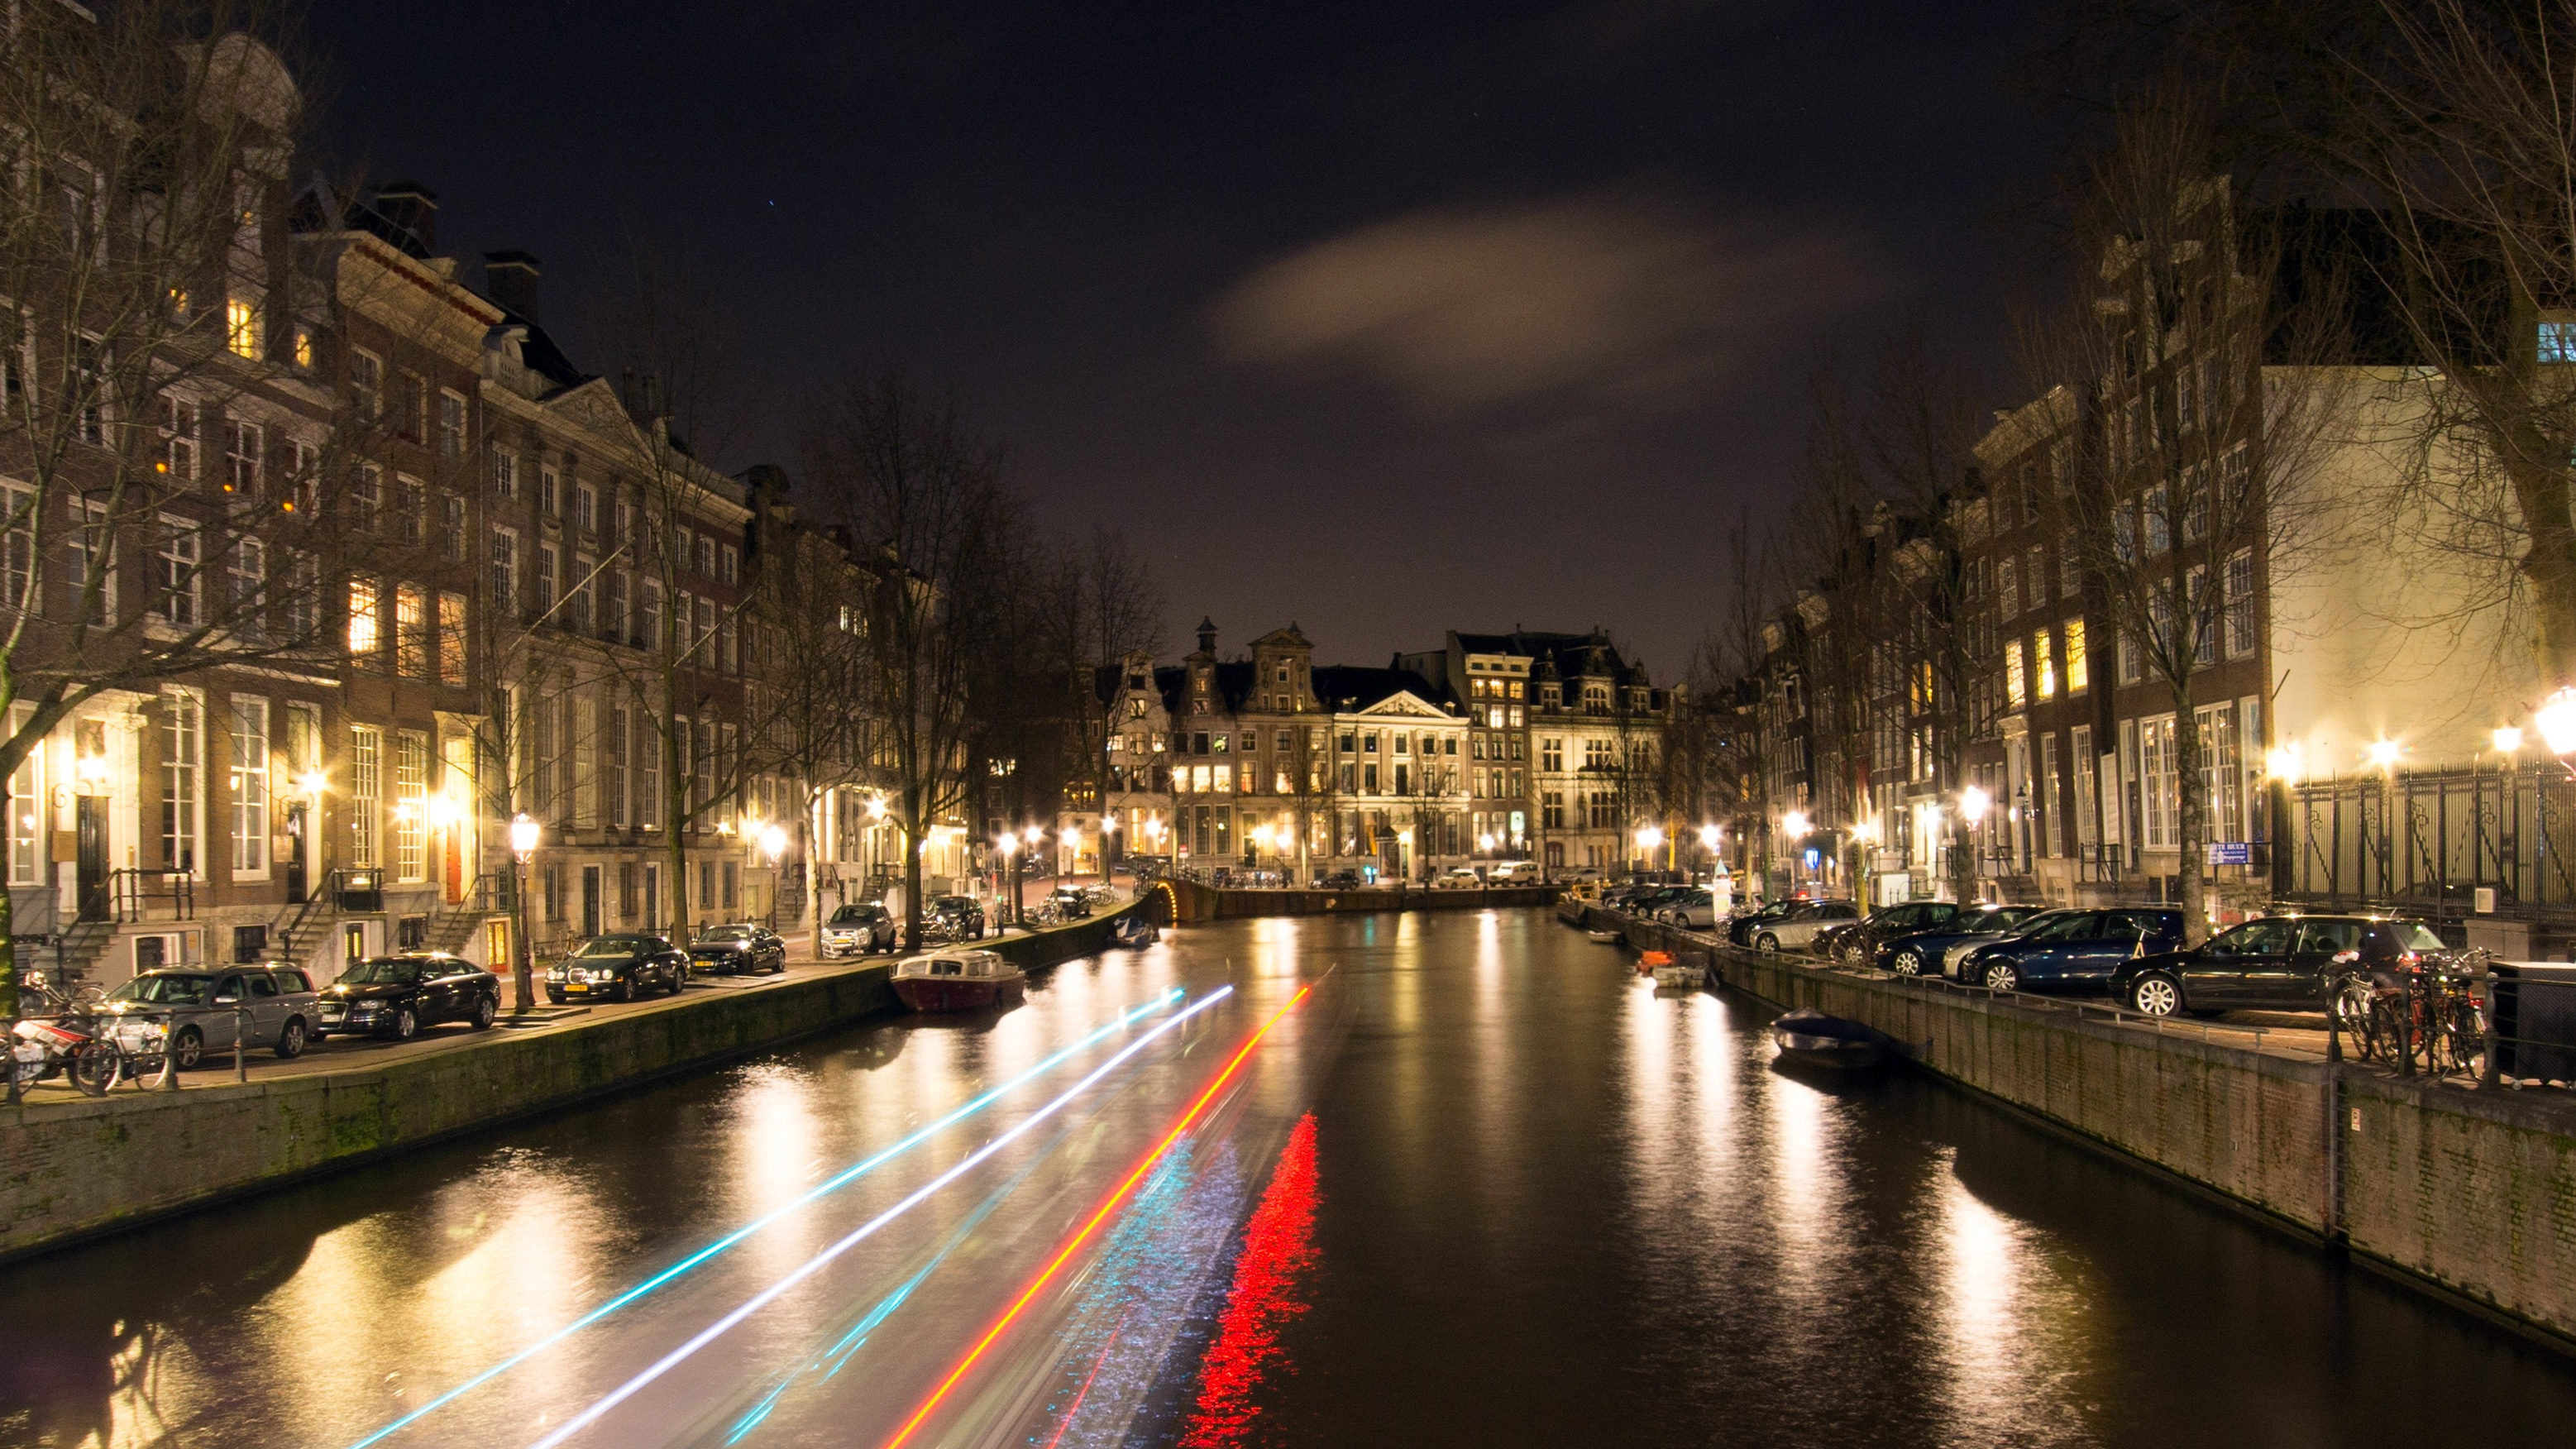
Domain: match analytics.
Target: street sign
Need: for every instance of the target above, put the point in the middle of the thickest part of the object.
(2231, 852)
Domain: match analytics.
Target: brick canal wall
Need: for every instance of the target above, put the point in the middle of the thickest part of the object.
(2473, 1193)
(1192, 901)
(74, 1169)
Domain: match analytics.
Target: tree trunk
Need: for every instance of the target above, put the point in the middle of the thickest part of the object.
(912, 833)
(8, 965)
(2191, 818)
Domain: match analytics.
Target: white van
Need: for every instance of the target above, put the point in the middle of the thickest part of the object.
(1511, 872)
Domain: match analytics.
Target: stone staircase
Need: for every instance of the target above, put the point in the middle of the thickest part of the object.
(82, 945)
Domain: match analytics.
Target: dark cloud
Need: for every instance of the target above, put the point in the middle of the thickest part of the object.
(1598, 298)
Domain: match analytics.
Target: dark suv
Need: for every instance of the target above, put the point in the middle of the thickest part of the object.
(2081, 950)
(2279, 963)
(395, 996)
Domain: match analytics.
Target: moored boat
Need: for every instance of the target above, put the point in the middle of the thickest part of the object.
(1133, 929)
(959, 981)
(1811, 1037)
(1606, 938)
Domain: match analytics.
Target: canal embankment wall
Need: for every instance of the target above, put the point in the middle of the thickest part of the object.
(77, 1168)
(1193, 901)
(2471, 1193)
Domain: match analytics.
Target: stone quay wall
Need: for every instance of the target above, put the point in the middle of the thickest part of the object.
(71, 1170)
(2470, 1193)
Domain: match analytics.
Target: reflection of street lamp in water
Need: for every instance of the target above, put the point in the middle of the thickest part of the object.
(524, 833)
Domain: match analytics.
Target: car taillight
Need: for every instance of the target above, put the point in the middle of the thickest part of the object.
(2408, 959)
(2346, 958)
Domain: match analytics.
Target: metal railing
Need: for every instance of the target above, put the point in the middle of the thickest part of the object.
(138, 890)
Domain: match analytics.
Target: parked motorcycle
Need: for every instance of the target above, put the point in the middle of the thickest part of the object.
(44, 1047)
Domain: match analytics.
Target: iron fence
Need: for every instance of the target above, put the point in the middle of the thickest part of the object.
(2431, 842)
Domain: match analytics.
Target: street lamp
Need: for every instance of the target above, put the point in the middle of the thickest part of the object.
(524, 833)
(2507, 739)
(2557, 721)
(1973, 805)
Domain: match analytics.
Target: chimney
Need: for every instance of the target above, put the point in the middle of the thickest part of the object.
(1207, 637)
(414, 208)
(510, 278)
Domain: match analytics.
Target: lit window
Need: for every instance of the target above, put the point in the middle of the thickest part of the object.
(241, 328)
(2075, 666)
(366, 618)
(2043, 668)
(2016, 686)
(2558, 341)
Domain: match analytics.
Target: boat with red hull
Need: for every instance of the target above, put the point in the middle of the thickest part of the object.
(959, 981)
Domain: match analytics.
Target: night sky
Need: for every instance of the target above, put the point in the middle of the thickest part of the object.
(1384, 318)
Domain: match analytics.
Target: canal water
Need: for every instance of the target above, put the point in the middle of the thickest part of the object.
(1423, 1180)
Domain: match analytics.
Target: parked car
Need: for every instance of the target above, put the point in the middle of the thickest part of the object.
(1858, 941)
(1458, 878)
(621, 967)
(1693, 908)
(1653, 899)
(2279, 963)
(395, 996)
(1747, 920)
(1511, 872)
(1921, 953)
(1579, 875)
(1338, 880)
(196, 1011)
(1072, 903)
(738, 947)
(958, 918)
(1954, 960)
(858, 928)
(1797, 927)
(2079, 950)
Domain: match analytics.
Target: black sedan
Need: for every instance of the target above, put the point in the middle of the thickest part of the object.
(620, 968)
(2279, 963)
(2076, 951)
(737, 949)
(957, 917)
(1859, 940)
(395, 996)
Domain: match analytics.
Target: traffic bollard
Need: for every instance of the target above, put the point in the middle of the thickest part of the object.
(241, 1036)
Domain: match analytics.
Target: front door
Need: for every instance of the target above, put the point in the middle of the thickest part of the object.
(297, 815)
(89, 868)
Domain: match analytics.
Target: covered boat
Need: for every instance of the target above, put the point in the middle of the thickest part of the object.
(1132, 929)
(959, 981)
(1811, 1037)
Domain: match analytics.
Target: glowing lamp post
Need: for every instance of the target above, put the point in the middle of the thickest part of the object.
(2557, 721)
(524, 834)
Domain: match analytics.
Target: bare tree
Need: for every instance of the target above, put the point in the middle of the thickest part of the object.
(2204, 488)
(2460, 123)
(156, 527)
(923, 491)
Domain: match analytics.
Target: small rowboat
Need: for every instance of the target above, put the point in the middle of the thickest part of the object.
(1686, 978)
(1815, 1039)
(959, 981)
(1606, 938)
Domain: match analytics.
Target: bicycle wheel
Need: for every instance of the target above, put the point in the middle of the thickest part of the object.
(2352, 1009)
(94, 1067)
(2387, 1039)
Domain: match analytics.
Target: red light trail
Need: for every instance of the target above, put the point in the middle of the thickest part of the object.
(1278, 1245)
(1091, 1225)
